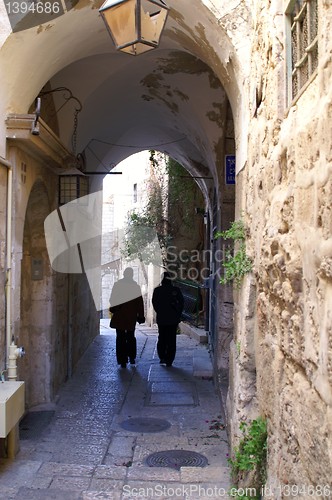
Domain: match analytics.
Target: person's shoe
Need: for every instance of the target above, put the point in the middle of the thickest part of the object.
(132, 361)
(162, 362)
(123, 365)
(168, 364)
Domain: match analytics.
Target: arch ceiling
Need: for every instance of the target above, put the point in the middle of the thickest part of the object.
(173, 99)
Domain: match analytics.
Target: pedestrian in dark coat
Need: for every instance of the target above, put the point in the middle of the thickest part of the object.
(167, 301)
(127, 308)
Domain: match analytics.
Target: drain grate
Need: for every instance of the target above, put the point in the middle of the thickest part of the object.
(34, 423)
(175, 459)
(145, 425)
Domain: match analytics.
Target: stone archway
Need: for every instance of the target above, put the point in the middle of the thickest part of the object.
(36, 301)
(183, 99)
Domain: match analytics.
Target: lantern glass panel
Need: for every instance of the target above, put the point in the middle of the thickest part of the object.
(72, 187)
(68, 189)
(83, 189)
(153, 19)
(121, 20)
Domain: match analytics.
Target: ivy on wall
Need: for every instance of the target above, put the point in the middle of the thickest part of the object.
(248, 463)
(237, 263)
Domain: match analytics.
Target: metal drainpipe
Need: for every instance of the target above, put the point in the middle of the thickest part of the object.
(8, 285)
(12, 351)
(70, 331)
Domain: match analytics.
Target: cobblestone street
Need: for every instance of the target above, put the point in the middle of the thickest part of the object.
(96, 440)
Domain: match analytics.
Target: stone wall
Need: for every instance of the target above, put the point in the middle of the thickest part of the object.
(53, 317)
(282, 354)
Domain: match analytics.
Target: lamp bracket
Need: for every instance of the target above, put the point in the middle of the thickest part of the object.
(67, 96)
(35, 126)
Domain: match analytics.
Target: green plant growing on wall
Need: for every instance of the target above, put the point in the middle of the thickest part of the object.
(237, 263)
(183, 196)
(250, 458)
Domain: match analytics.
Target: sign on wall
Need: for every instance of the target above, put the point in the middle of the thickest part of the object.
(229, 169)
(37, 271)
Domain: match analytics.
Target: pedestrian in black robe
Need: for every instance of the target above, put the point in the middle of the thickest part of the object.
(127, 308)
(167, 301)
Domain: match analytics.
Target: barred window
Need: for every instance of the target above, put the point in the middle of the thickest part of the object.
(302, 60)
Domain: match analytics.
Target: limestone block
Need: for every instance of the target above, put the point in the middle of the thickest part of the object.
(241, 401)
(225, 315)
(305, 430)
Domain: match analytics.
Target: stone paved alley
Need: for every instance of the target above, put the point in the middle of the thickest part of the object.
(79, 447)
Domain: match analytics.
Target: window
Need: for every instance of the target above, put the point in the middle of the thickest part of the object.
(302, 57)
(135, 193)
(23, 173)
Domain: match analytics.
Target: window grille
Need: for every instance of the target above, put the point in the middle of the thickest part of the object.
(302, 61)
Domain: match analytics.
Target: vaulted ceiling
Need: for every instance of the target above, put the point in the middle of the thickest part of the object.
(173, 99)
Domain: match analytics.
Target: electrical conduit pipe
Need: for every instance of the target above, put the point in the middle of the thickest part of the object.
(12, 351)
(8, 165)
(8, 285)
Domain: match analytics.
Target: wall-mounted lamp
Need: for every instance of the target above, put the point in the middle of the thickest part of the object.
(201, 211)
(135, 25)
(206, 218)
(35, 126)
(73, 184)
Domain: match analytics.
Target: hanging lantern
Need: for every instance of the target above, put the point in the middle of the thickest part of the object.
(135, 25)
(72, 185)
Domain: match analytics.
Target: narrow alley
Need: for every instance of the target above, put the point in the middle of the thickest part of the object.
(103, 436)
(230, 103)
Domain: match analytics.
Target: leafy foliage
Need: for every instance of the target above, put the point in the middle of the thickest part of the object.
(251, 454)
(140, 241)
(236, 266)
(168, 209)
(236, 232)
(237, 263)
